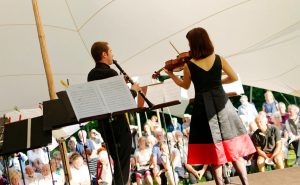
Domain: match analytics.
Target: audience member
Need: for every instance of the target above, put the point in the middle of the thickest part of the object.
(283, 113)
(48, 178)
(84, 142)
(16, 159)
(142, 156)
(57, 171)
(174, 125)
(15, 177)
(72, 145)
(3, 180)
(247, 109)
(79, 171)
(186, 120)
(267, 141)
(166, 164)
(293, 129)
(105, 167)
(39, 153)
(92, 164)
(156, 160)
(96, 138)
(31, 178)
(270, 105)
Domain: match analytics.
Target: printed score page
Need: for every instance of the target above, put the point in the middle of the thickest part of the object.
(116, 94)
(163, 93)
(100, 97)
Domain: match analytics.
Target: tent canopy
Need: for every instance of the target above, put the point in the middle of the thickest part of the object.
(260, 39)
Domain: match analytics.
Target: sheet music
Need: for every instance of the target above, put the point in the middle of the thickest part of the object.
(117, 95)
(163, 93)
(86, 101)
(154, 94)
(100, 97)
(172, 92)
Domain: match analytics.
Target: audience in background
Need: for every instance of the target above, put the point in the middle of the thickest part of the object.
(267, 140)
(283, 113)
(270, 105)
(274, 131)
(79, 170)
(293, 129)
(247, 109)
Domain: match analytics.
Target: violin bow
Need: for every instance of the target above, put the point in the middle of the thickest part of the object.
(174, 47)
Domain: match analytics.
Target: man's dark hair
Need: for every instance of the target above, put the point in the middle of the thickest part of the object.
(97, 49)
(200, 44)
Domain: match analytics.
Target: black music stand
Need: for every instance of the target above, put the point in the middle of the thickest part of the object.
(67, 110)
(174, 100)
(16, 136)
(25, 135)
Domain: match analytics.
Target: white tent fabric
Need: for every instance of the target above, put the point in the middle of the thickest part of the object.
(260, 38)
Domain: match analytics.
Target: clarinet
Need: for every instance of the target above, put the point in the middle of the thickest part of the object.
(132, 82)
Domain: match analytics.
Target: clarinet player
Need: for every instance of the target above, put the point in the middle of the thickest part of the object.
(116, 131)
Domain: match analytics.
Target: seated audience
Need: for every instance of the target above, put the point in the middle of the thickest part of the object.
(174, 125)
(92, 164)
(156, 160)
(57, 171)
(84, 142)
(15, 160)
(105, 167)
(166, 163)
(186, 121)
(15, 177)
(293, 129)
(3, 181)
(96, 138)
(283, 113)
(247, 109)
(142, 156)
(39, 153)
(72, 145)
(79, 171)
(48, 178)
(267, 141)
(270, 105)
(31, 178)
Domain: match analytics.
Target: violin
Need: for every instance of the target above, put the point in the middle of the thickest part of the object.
(174, 65)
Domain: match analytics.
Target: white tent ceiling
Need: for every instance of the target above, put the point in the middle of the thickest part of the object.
(260, 38)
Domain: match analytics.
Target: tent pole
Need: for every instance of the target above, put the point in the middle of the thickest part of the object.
(50, 81)
(44, 50)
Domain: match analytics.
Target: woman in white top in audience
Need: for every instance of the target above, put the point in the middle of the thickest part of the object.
(79, 171)
(143, 155)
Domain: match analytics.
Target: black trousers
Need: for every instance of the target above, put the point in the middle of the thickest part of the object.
(117, 137)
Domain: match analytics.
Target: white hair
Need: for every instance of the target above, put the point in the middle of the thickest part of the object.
(294, 107)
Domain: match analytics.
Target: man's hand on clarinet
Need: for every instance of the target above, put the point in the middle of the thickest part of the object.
(136, 87)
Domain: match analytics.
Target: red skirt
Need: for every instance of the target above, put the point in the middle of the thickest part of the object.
(222, 152)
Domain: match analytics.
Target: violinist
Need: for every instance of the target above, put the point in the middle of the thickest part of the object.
(116, 132)
(217, 136)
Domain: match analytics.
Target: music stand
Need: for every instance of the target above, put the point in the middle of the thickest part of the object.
(25, 135)
(161, 95)
(18, 137)
(99, 99)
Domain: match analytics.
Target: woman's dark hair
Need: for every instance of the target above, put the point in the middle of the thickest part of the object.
(97, 49)
(200, 44)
